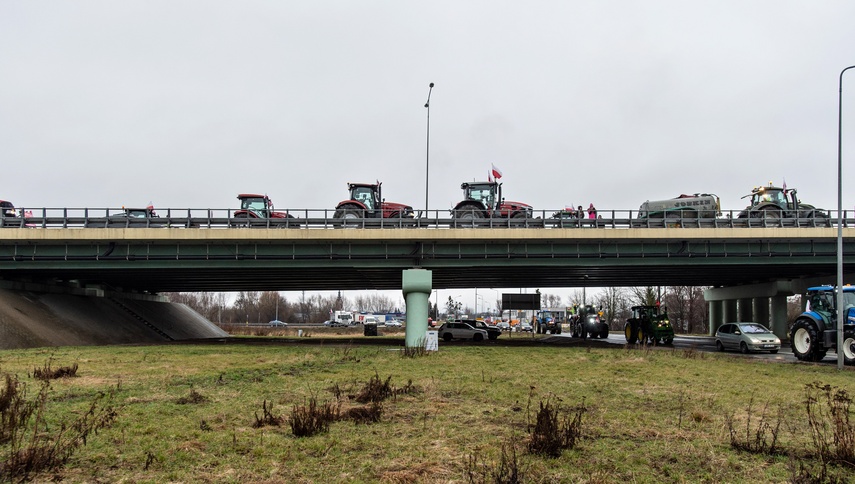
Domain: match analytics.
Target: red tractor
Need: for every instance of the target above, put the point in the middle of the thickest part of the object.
(366, 202)
(257, 206)
(484, 200)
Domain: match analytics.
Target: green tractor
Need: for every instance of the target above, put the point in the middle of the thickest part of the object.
(649, 324)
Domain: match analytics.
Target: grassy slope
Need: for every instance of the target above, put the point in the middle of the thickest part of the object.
(654, 416)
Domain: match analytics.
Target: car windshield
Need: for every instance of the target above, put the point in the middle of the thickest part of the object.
(753, 328)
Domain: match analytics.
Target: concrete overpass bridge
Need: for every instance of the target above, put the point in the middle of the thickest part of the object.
(750, 267)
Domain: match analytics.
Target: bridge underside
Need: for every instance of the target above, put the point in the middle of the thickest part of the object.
(166, 260)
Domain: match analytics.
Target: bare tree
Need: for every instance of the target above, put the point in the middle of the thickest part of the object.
(613, 301)
(687, 308)
(643, 296)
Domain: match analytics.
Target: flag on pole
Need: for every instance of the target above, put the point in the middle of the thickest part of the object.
(785, 185)
(497, 173)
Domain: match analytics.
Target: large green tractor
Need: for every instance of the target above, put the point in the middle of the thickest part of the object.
(649, 325)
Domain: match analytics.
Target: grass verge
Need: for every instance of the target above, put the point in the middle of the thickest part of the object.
(466, 413)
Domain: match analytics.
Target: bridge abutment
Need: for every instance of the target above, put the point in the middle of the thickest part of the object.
(416, 286)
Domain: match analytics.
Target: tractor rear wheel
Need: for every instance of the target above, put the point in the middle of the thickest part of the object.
(849, 348)
(604, 334)
(631, 333)
(468, 213)
(772, 213)
(806, 341)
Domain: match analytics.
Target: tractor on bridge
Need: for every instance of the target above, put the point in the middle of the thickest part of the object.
(815, 330)
(771, 202)
(484, 200)
(366, 201)
(649, 324)
(257, 206)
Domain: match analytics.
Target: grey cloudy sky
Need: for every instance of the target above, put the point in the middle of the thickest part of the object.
(187, 103)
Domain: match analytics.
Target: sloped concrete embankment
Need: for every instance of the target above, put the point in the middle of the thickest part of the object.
(30, 320)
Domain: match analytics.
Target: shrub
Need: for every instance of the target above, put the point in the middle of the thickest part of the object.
(553, 433)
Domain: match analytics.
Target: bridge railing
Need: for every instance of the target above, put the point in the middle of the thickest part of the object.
(207, 218)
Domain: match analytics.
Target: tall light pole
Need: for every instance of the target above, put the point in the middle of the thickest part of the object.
(840, 220)
(427, 150)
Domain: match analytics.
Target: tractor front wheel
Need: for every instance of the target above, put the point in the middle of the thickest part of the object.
(806, 341)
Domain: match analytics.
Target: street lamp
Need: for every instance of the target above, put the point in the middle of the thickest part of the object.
(427, 149)
(840, 221)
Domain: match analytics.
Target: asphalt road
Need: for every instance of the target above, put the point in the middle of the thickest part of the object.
(707, 344)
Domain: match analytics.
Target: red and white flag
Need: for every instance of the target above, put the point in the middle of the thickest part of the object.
(490, 176)
(497, 173)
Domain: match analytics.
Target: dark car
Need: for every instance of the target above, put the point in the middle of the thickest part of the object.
(492, 331)
(135, 217)
(8, 215)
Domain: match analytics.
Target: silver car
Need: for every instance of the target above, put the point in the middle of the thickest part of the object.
(746, 337)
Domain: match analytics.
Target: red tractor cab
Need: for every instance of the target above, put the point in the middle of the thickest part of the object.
(257, 206)
(366, 201)
(484, 200)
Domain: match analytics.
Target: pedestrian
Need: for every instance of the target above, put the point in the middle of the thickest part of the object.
(580, 212)
(592, 212)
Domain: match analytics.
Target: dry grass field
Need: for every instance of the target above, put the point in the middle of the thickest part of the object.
(343, 412)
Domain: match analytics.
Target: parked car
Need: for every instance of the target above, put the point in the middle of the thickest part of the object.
(746, 337)
(492, 331)
(461, 330)
(393, 323)
(525, 326)
(276, 322)
(504, 325)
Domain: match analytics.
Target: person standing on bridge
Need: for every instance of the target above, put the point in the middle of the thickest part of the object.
(592, 211)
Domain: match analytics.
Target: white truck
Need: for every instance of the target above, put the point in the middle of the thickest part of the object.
(699, 205)
(343, 318)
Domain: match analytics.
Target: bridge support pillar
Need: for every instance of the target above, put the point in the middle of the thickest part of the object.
(779, 316)
(761, 310)
(416, 286)
(729, 311)
(746, 309)
(716, 316)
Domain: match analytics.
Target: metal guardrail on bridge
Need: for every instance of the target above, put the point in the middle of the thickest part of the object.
(71, 218)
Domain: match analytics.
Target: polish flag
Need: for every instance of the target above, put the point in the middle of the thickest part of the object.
(497, 173)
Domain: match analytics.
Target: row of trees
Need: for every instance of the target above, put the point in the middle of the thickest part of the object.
(686, 305)
(253, 307)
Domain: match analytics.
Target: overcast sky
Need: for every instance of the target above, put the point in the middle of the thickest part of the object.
(186, 104)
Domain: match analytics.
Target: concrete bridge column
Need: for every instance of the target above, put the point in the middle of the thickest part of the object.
(761, 310)
(416, 286)
(745, 309)
(716, 319)
(779, 316)
(730, 310)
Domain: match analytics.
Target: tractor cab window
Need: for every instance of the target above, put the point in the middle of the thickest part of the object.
(254, 204)
(821, 302)
(482, 194)
(775, 196)
(364, 195)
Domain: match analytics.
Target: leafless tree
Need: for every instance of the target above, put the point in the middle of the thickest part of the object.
(614, 303)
